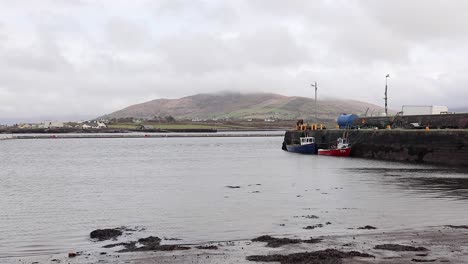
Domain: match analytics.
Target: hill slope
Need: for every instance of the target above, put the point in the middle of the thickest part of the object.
(243, 106)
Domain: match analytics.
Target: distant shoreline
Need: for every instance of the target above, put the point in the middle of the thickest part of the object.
(250, 133)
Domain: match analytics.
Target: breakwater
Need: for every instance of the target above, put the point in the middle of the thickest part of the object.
(443, 147)
(143, 135)
(457, 121)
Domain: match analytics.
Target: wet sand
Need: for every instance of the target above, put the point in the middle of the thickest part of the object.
(444, 244)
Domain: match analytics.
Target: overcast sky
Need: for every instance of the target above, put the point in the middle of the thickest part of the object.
(85, 58)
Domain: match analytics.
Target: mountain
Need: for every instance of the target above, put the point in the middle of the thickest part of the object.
(244, 106)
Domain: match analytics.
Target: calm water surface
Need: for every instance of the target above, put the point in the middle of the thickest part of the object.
(54, 192)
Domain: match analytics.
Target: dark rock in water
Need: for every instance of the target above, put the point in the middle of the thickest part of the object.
(278, 242)
(72, 254)
(105, 234)
(328, 223)
(424, 260)
(172, 238)
(328, 256)
(368, 227)
(310, 216)
(207, 247)
(396, 247)
(313, 227)
(233, 187)
(151, 240)
(458, 226)
(307, 216)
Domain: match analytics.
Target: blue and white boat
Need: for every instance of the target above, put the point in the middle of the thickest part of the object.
(307, 145)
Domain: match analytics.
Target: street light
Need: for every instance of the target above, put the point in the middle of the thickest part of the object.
(315, 86)
(386, 88)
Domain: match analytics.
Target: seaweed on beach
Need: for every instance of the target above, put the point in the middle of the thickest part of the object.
(367, 227)
(328, 256)
(207, 247)
(278, 242)
(397, 247)
(458, 226)
(150, 243)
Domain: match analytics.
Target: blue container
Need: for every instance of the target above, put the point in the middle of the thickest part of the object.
(346, 120)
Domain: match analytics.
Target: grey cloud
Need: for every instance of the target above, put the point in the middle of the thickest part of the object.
(194, 54)
(274, 47)
(2, 34)
(125, 34)
(265, 47)
(93, 58)
(363, 42)
(420, 19)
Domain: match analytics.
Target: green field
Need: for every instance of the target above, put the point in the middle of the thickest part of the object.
(173, 126)
(199, 125)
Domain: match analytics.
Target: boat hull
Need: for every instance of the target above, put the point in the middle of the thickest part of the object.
(303, 149)
(344, 152)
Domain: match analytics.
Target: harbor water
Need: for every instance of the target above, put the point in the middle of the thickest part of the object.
(54, 192)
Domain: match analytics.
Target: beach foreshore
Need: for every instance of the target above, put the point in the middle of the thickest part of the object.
(438, 244)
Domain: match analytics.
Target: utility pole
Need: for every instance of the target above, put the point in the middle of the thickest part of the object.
(386, 87)
(315, 86)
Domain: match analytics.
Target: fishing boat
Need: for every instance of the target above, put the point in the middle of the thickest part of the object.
(342, 148)
(306, 145)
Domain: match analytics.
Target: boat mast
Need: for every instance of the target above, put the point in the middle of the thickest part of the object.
(386, 110)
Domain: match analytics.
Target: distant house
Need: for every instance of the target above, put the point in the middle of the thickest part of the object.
(52, 124)
(86, 126)
(100, 125)
(25, 126)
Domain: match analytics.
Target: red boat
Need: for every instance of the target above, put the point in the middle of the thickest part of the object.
(341, 149)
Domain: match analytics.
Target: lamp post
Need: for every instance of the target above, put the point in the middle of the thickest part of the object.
(315, 86)
(386, 88)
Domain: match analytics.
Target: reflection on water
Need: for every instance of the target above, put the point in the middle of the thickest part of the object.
(440, 182)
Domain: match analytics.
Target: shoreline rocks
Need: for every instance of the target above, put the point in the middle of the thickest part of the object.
(105, 234)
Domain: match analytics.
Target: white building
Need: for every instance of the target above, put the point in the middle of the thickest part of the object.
(101, 125)
(423, 110)
(51, 124)
(25, 126)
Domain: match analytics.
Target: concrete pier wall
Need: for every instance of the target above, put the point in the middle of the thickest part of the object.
(443, 147)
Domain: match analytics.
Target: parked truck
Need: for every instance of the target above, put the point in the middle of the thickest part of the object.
(408, 110)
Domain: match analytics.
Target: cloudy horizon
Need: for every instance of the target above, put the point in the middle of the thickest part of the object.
(80, 58)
